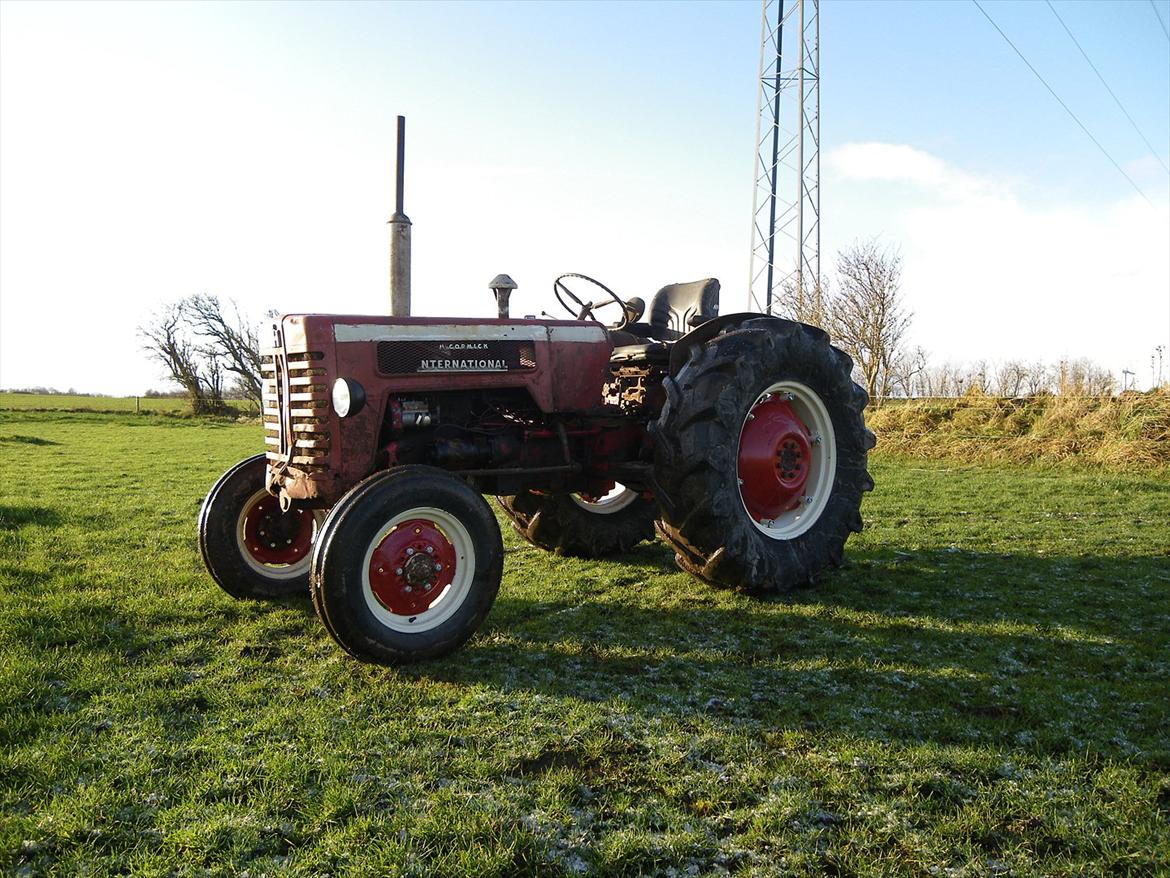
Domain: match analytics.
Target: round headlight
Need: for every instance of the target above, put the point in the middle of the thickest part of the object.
(348, 397)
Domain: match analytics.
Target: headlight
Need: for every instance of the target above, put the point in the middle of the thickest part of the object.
(348, 397)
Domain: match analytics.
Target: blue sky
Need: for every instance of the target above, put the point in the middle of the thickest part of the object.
(153, 150)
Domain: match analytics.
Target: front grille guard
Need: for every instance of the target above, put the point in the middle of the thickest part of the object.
(296, 423)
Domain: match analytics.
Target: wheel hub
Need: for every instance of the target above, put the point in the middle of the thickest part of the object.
(775, 456)
(411, 567)
(275, 537)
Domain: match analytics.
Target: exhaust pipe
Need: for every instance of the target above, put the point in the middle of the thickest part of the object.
(400, 238)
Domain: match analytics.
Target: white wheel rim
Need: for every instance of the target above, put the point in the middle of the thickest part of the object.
(450, 599)
(273, 571)
(615, 501)
(806, 404)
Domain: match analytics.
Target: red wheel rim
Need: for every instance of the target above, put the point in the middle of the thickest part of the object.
(411, 567)
(775, 455)
(275, 537)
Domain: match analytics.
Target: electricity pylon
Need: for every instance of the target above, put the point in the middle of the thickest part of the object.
(786, 197)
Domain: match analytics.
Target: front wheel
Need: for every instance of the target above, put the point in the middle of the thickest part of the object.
(762, 448)
(407, 566)
(251, 547)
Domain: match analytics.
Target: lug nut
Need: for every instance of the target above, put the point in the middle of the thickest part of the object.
(808, 500)
(438, 566)
(816, 440)
(407, 588)
(410, 551)
(430, 550)
(398, 571)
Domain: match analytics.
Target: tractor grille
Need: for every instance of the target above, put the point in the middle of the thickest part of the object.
(296, 410)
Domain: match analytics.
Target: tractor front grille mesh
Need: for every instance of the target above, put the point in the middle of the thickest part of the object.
(296, 392)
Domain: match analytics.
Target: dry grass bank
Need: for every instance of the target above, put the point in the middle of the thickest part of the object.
(1123, 432)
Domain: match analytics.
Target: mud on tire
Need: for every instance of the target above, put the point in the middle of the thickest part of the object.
(820, 450)
(563, 524)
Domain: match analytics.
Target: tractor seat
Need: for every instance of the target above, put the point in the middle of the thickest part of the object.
(638, 350)
(678, 308)
(675, 311)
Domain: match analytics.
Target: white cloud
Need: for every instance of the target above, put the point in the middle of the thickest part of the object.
(994, 273)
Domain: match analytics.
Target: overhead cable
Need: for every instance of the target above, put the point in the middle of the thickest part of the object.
(1044, 82)
(1116, 99)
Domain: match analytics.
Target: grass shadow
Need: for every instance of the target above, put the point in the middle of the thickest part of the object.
(14, 517)
(26, 440)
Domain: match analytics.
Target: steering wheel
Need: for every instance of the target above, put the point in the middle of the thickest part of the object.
(584, 310)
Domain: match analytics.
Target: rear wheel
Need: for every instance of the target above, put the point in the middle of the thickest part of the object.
(761, 448)
(251, 547)
(407, 566)
(581, 525)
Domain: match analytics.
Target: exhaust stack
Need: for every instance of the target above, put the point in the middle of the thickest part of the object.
(400, 238)
(502, 286)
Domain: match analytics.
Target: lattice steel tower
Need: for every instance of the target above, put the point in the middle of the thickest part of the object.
(786, 199)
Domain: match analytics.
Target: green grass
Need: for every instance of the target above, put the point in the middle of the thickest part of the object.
(64, 402)
(981, 691)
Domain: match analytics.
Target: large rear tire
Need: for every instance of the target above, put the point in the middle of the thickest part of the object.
(584, 527)
(761, 449)
(407, 566)
(249, 546)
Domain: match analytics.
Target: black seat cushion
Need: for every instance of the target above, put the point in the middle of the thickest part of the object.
(679, 308)
(647, 351)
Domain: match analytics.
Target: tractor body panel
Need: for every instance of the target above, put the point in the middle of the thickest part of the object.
(430, 386)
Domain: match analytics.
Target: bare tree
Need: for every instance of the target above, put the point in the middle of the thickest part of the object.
(980, 378)
(1009, 378)
(167, 339)
(1083, 377)
(1037, 378)
(908, 370)
(232, 340)
(805, 303)
(866, 316)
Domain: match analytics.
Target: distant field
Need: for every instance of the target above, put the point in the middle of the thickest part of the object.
(105, 404)
(982, 691)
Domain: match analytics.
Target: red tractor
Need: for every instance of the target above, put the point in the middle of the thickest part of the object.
(740, 438)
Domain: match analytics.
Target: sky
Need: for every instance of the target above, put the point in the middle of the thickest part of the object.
(149, 151)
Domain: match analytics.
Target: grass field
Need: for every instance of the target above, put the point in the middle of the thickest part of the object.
(103, 404)
(981, 691)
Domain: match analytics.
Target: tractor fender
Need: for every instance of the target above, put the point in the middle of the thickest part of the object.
(680, 352)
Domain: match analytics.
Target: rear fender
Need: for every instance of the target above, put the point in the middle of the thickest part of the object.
(704, 332)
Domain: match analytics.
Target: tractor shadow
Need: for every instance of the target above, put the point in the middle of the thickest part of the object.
(14, 517)
(1060, 654)
(26, 440)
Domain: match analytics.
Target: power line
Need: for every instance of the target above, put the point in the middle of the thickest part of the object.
(1044, 82)
(1116, 99)
(1158, 12)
